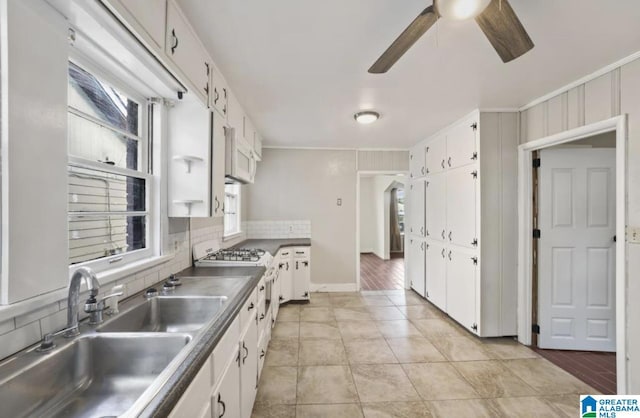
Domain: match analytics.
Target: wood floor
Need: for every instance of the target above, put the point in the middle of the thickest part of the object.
(594, 368)
(379, 274)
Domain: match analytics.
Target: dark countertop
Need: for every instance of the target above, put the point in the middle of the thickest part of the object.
(166, 399)
(170, 393)
(273, 245)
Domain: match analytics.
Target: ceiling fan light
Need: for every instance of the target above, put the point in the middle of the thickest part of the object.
(366, 117)
(460, 9)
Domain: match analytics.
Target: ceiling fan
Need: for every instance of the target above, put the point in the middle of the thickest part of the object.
(496, 18)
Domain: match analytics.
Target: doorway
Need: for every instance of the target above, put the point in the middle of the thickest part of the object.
(571, 265)
(381, 231)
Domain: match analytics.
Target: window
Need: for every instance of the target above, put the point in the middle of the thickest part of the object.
(231, 209)
(109, 180)
(400, 197)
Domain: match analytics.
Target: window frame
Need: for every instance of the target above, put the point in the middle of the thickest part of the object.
(145, 140)
(238, 227)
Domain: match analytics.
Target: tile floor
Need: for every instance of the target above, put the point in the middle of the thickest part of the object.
(379, 274)
(392, 354)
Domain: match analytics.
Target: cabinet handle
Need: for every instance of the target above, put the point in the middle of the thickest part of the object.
(449, 255)
(250, 306)
(442, 164)
(246, 352)
(422, 230)
(175, 41)
(422, 247)
(224, 109)
(217, 204)
(427, 233)
(261, 317)
(299, 252)
(216, 95)
(442, 234)
(449, 162)
(287, 266)
(443, 253)
(262, 288)
(261, 353)
(449, 235)
(474, 156)
(206, 89)
(297, 267)
(422, 170)
(224, 407)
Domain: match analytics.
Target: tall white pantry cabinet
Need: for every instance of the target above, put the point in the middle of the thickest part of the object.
(462, 221)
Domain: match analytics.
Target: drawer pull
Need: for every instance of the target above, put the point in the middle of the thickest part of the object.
(246, 352)
(299, 252)
(262, 288)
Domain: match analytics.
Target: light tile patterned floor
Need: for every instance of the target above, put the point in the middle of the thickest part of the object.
(380, 354)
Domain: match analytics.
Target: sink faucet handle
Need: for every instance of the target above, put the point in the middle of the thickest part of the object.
(115, 292)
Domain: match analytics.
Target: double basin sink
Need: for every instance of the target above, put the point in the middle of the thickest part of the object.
(112, 370)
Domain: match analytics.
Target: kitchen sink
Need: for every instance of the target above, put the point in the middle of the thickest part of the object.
(167, 314)
(98, 375)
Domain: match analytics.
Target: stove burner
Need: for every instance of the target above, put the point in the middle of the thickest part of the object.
(238, 254)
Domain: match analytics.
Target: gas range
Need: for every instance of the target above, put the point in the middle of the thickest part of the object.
(209, 254)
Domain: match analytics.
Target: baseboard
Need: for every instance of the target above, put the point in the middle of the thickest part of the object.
(333, 287)
(366, 250)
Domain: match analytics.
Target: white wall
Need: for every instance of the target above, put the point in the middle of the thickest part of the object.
(614, 93)
(367, 216)
(305, 184)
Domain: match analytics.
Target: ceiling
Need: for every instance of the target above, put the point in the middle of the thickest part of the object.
(300, 67)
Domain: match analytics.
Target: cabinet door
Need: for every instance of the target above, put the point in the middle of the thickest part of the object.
(417, 215)
(217, 169)
(184, 49)
(257, 146)
(226, 398)
(417, 249)
(436, 274)
(301, 278)
(197, 395)
(275, 296)
(436, 207)
(416, 162)
(218, 93)
(461, 206)
(462, 288)
(435, 155)
(248, 369)
(461, 144)
(149, 14)
(286, 276)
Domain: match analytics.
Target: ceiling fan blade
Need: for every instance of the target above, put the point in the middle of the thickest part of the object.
(411, 34)
(504, 30)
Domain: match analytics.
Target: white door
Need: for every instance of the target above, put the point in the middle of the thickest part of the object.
(436, 207)
(462, 288)
(436, 152)
(461, 206)
(576, 250)
(436, 274)
(301, 278)
(417, 216)
(417, 249)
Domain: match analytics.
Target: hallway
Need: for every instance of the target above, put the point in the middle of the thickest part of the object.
(379, 274)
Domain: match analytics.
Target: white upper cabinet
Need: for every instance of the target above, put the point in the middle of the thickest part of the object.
(257, 146)
(436, 207)
(416, 162)
(462, 213)
(148, 16)
(218, 92)
(417, 205)
(218, 162)
(462, 144)
(435, 155)
(184, 49)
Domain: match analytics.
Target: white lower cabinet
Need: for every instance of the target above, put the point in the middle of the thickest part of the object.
(248, 367)
(436, 274)
(461, 273)
(417, 249)
(294, 264)
(197, 395)
(286, 275)
(225, 401)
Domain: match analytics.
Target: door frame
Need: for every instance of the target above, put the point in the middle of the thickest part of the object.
(525, 231)
(358, 177)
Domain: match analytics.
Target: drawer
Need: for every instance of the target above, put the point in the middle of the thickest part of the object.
(302, 252)
(226, 349)
(248, 311)
(285, 252)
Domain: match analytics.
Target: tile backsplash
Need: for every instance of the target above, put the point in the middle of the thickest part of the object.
(278, 229)
(24, 330)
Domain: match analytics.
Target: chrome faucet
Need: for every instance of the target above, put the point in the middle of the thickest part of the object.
(74, 295)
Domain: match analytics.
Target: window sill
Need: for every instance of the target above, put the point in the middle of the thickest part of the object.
(233, 236)
(105, 277)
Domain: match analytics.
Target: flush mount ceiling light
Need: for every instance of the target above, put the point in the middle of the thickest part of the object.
(366, 117)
